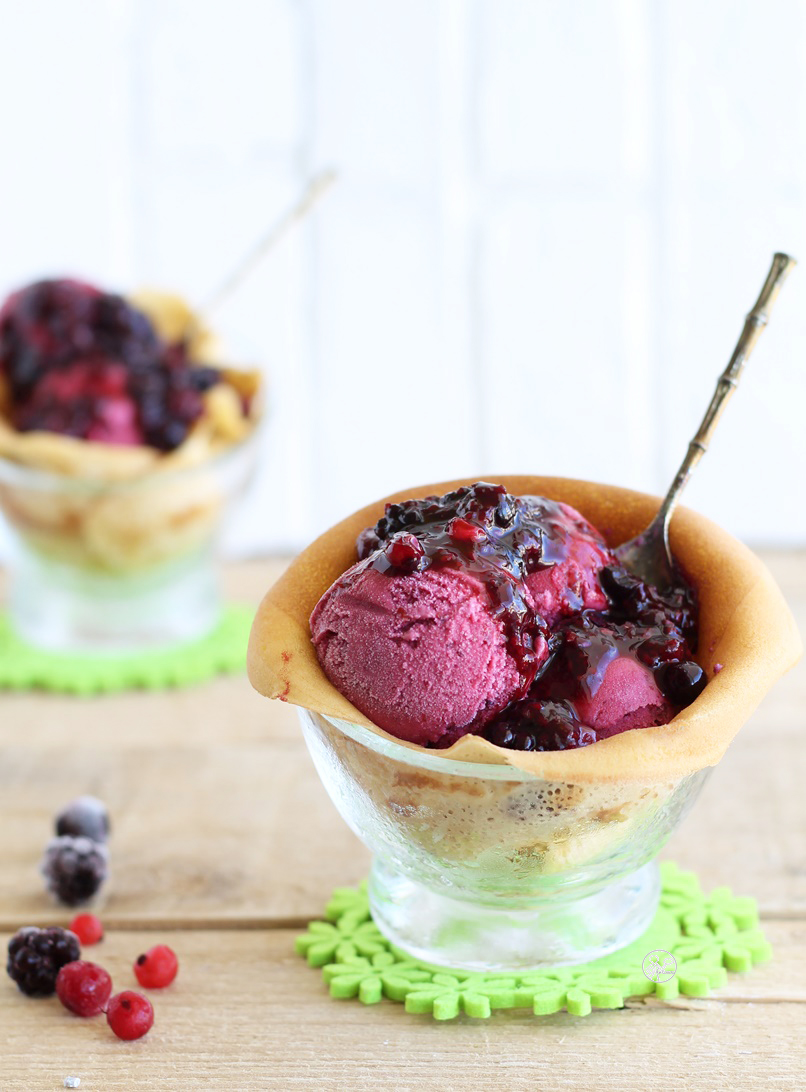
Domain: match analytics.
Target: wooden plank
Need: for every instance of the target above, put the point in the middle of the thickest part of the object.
(245, 1013)
(221, 710)
(199, 833)
(219, 814)
(747, 830)
(213, 833)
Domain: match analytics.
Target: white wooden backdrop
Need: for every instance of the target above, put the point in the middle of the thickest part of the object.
(550, 221)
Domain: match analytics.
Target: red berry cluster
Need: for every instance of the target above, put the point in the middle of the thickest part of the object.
(44, 961)
(85, 988)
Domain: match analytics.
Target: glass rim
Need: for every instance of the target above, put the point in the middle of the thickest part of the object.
(20, 474)
(426, 759)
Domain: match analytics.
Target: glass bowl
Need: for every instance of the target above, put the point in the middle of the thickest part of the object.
(489, 868)
(108, 566)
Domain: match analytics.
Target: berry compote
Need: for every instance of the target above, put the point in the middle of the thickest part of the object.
(562, 641)
(85, 363)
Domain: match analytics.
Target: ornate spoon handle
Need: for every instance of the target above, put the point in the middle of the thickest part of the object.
(755, 322)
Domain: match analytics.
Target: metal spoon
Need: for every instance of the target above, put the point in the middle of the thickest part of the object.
(648, 554)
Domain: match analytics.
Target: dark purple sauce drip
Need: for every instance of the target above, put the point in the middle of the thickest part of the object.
(581, 649)
(483, 530)
(501, 539)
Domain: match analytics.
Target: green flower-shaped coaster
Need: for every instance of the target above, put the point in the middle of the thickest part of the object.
(222, 651)
(707, 935)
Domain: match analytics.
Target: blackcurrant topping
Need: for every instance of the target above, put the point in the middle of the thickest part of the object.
(501, 539)
(534, 725)
(681, 682)
(485, 531)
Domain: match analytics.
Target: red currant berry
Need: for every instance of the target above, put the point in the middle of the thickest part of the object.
(157, 967)
(404, 551)
(461, 530)
(83, 988)
(129, 1015)
(87, 928)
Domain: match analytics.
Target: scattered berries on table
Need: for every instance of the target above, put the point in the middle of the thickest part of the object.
(35, 957)
(88, 928)
(157, 967)
(74, 868)
(129, 1015)
(85, 816)
(83, 988)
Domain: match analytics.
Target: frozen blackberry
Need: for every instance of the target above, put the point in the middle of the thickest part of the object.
(74, 868)
(85, 816)
(35, 957)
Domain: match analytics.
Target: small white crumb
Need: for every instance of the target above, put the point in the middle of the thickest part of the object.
(72, 1082)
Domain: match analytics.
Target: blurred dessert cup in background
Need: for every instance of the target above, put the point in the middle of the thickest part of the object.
(123, 440)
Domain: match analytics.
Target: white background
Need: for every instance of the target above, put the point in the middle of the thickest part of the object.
(550, 221)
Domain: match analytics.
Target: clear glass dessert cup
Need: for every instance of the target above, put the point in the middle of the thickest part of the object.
(110, 566)
(488, 867)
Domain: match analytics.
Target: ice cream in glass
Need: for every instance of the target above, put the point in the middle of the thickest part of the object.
(509, 719)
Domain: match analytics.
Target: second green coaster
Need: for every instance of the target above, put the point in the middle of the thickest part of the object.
(223, 651)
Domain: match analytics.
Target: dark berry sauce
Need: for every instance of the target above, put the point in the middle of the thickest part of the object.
(484, 531)
(501, 539)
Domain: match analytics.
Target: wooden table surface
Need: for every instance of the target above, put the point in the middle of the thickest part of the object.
(225, 845)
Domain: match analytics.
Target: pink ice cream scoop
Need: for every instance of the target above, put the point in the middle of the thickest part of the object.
(420, 654)
(482, 612)
(627, 697)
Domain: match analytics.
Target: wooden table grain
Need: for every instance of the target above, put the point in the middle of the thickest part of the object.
(225, 845)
